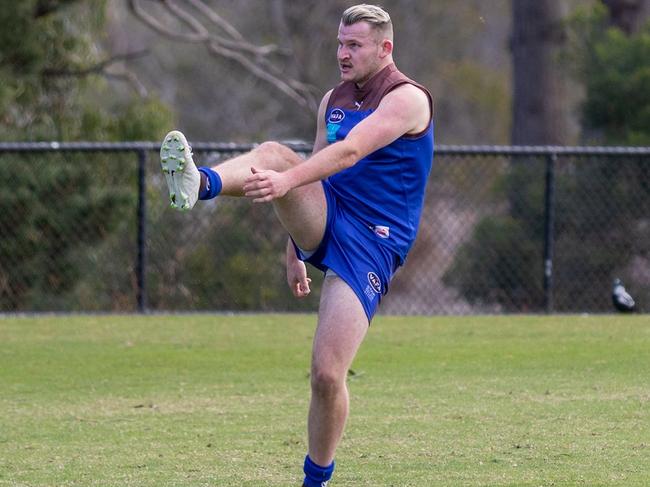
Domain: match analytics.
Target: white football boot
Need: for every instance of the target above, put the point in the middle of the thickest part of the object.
(183, 178)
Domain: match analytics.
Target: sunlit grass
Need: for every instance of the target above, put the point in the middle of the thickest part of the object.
(198, 400)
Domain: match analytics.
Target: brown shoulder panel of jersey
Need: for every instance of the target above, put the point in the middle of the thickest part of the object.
(342, 96)
(348, 95)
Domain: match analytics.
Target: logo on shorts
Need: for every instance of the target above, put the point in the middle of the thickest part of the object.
(336, 116)
(381, 231)
(374, 281)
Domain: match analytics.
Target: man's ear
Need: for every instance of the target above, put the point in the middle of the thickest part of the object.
(386, 48)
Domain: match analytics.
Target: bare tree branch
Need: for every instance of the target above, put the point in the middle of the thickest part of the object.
(101, 69)
(216, 19)
(186, 18)
(96, 68)
(233, 46)
(153, 23)
(284, 87)
(131, 79)
(237, 39)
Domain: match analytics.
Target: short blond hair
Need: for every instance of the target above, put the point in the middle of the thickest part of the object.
(374, 15)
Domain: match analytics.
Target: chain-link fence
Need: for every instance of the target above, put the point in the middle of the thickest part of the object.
(87, 227)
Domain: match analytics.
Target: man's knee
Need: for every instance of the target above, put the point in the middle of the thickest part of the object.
(326, 381)
(277, 156)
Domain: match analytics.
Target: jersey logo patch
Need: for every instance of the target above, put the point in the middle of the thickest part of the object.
(336, 116)
(375, 282)
(332, 130)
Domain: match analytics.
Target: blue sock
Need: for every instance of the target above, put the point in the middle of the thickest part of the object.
(212, 184)
(315, 475)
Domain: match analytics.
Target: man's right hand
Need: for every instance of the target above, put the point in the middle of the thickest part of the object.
(297, 278)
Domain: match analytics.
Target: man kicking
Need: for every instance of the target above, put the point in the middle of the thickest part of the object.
(352, 209)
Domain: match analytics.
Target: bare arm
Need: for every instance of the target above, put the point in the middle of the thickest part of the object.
(403, 110)
(296, 273)
(321, 130)
(296, 269)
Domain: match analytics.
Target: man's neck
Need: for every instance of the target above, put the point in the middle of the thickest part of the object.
(362, 84)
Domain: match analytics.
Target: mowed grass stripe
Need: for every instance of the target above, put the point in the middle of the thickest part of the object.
(199, 400)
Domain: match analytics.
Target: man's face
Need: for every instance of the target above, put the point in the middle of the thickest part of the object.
(359, 52)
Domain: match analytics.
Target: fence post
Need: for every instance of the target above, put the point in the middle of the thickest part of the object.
(141, 265)
(549, 231)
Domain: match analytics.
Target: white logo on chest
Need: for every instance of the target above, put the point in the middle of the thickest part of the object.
(336, 116)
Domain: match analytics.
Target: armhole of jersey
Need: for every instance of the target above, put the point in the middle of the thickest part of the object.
(330, 103)
(429, 97)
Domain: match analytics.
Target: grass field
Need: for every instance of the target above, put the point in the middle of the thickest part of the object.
(198, 400)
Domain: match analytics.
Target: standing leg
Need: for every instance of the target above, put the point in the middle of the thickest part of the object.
(342, 326)
(342, 323)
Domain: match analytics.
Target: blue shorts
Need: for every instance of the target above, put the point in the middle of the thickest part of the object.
(351, 249)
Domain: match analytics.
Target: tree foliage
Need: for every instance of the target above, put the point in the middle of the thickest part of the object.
(54, 77)
(593, 234)
(53, 86)
(615, 69)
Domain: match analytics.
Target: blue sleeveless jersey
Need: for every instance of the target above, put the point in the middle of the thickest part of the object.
(383, 192)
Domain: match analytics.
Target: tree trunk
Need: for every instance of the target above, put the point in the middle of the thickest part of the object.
(541, 112)
(628, 15)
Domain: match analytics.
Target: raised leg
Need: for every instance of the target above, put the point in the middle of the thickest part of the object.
(302, 211)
